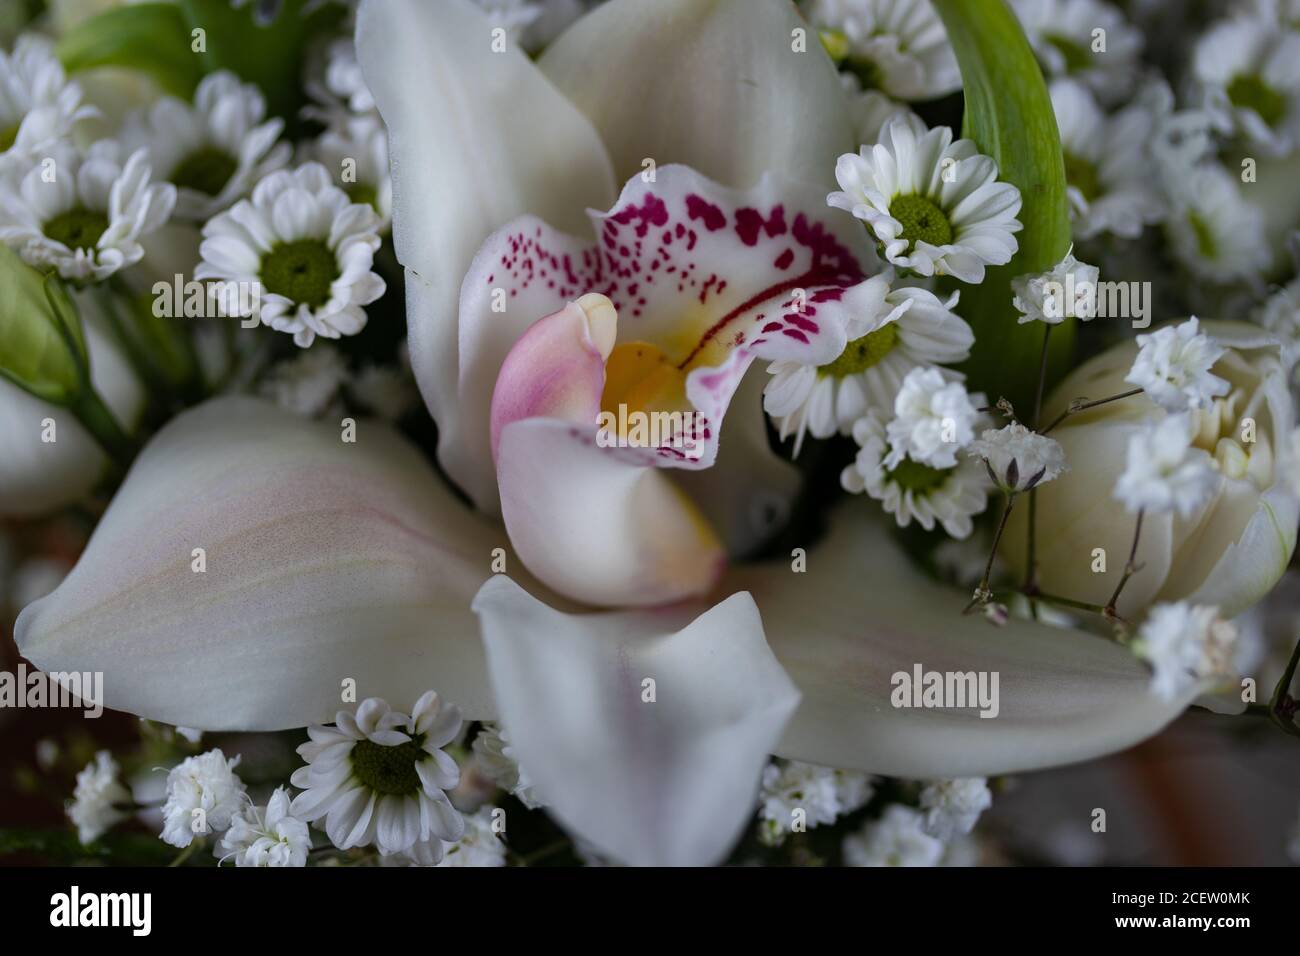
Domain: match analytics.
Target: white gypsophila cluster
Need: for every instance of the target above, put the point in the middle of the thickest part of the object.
(1164, 472)
(899, 45)
(481, 845)
(496, 758)
(1249, 76)
(1108, 178)
(794, 795)
(898, 838)
(83, 214)
(952, 807)
(307, 384)
(1068, 290)
(934, 205)
(1173, 367)
(203, 795)
(933, 420)
(899, 330)
(1188, 646)
(305, 246)
(1088, 40)
(266, 836)
(214, 151)
(99, 798)
(1019, 459)
(39, 106)
(381, 777)
(911, 491)
(386, 391)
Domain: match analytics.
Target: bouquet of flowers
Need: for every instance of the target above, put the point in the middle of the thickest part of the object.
(643, 432)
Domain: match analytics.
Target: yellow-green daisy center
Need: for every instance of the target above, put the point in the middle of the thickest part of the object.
(207, 170)
(77, 228)
(922, 221)
(301, 271)
(917, 478)
(389, 770)
(862, 353)
(1248, 91)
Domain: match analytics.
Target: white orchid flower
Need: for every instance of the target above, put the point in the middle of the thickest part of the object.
(645, 727)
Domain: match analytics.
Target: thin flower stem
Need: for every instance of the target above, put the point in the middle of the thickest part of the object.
(549, 850)
(1077, 406)
(1031, 562)
(982, 594)
(185, 854)
(1129, 568)
(99, 420)
(1282, 706)
(1068, 602)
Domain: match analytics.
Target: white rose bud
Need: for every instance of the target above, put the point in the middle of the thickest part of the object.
(1232, 549)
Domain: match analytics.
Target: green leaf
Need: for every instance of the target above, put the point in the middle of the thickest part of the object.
(41, 345)
(151, 37)
(271, 54)
(1009, 116)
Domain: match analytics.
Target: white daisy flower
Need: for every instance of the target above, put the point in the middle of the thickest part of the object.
(496, 758)
(215, 151)
(1164, 472)
(381, 777)
(1066, 291)
(203, 796)
(933, 419)
(934, 205)
(94, 808)
(906, 329)
(870, 111)
(356, 152)
(896, 839)
(1187, 646)
(1109, 184)
(1173, 367)
(266, 837)
(1249, 72)
(794, 793)
(911, 491)
(306, 246)
(1213, 232)
(84, 214)
(1019, 459)
(38, 106)
(952, 807)
(1085, 39)
(480, 846)
(307, 384)
(898, 46)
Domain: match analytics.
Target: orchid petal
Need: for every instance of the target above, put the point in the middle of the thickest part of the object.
(39, 476)
(647, 731)
(711, 278)
(861, 614)
(325, 560)
(477, 138)
(720, 85)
